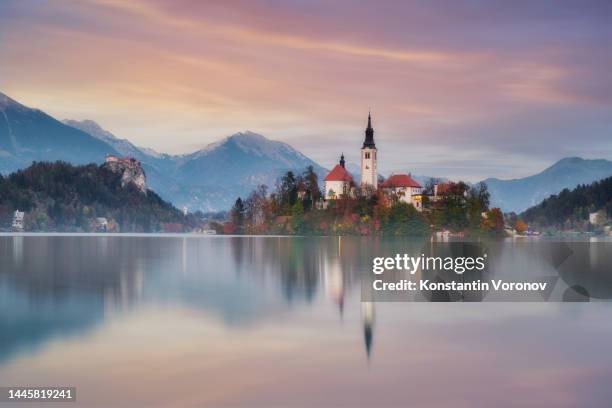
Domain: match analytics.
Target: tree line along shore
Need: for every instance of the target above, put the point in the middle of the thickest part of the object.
(95, 198)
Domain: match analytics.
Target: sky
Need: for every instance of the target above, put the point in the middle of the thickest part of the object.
(458, 89)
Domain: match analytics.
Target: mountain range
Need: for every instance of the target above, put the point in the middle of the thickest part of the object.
(28, 135)
(211, 179)
(519, 194)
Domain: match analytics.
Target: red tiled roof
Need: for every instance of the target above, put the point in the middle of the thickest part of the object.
(443, 188)
(338, 173)
(400, 180)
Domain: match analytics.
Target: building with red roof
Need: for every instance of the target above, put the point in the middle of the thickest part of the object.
(338, 181)
(401, 180)
(441, 189)
(405, 188)
(449, 188)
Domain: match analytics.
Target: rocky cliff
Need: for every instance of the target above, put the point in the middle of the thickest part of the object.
(130, 169)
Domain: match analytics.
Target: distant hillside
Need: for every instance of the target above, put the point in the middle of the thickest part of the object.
(62, 197)
(28, 135)
(572, 206)
(519, 194)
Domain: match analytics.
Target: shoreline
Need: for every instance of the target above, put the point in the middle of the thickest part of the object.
(551, 238)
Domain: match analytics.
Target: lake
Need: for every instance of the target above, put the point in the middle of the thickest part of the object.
(279, 322)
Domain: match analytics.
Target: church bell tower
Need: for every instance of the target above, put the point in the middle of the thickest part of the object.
(369, 174)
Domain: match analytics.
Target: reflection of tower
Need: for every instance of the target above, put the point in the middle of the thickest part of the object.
(334, 283)
(367, 315)
(334, 278)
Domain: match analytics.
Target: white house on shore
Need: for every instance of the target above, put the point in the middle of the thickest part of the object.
(17, 224)
(405, 188)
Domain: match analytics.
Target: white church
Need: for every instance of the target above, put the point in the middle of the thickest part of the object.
(339, 182)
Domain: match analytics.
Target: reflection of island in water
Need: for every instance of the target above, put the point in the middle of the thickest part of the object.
(54, 286)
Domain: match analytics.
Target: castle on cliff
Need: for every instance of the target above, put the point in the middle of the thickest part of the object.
(130, 169)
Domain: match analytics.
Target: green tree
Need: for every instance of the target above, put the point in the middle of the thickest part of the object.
(477, 203)
(403, 219)
(287, 191)
(453, 206)
(238, 215)
(313, 192)
(297, 209)
(60, 196)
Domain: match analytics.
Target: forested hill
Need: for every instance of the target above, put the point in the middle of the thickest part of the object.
(62, 197)
(572, 208)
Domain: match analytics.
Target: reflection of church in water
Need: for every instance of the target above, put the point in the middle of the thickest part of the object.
(309, 269)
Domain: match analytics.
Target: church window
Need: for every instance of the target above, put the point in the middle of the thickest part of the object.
(367, 155)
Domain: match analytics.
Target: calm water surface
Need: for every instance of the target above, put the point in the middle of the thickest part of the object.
(254, 321)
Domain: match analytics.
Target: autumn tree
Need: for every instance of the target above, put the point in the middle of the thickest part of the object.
(520, 226)
(493, 222)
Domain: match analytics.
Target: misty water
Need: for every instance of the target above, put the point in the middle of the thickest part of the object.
(279, 321)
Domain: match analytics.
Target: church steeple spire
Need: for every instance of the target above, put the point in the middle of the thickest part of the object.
(369, 134)
(369, 175)
(342, 160)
